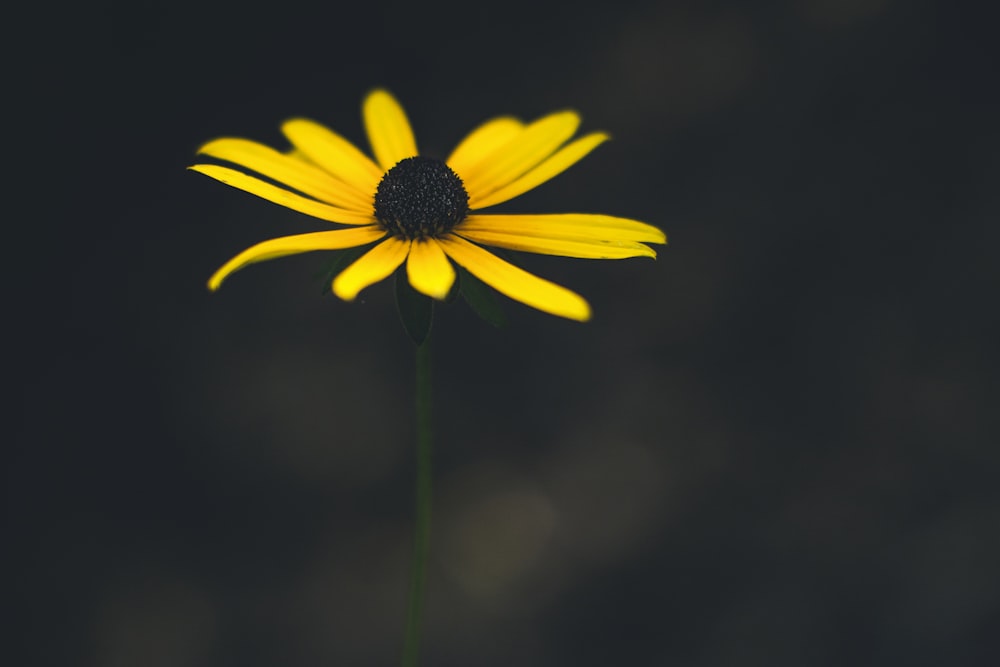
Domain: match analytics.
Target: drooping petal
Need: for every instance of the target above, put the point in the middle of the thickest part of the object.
(523, 152)
(482, 142)
(514, 282)
(559, 162)
(388, 129)
(285, 198)
(564, 226)
(581, 248)
(288, 169)
(293, 245)
(429, 270)
(375, 265)
(334, 154)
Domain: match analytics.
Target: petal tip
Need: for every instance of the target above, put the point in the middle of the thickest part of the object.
(377, 91)
(439, 295)
(208, 146)
(347, 294)
(295, 121)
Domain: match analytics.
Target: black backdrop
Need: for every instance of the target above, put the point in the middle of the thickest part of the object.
(774, 445)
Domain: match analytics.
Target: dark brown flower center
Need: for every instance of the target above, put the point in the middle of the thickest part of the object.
(420, 197)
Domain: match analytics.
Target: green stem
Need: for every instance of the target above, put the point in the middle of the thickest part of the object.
(421, 540)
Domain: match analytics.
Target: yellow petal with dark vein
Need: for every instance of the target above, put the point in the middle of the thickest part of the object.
(580, 248)
(559, 162)
(524, 152)
(429, 270)
(334, 154)
(514, 282)
(482, 142)
(388, 129)
(564, 225)
(289, 170)
(293, 245)
(375, 265)
(285, 198)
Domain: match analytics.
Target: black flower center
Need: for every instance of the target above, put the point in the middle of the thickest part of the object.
(420, 197)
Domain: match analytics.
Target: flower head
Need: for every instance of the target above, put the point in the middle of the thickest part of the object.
(423, 211)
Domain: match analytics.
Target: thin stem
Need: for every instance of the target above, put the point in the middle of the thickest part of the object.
(421, 540)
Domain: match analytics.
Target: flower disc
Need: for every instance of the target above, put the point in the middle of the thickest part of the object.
(420, 197)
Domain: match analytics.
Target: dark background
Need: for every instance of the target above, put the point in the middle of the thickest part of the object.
(775, 445)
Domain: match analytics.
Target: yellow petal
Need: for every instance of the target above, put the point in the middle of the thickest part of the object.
(482, 142)
(537, 142)
(581, 248)
(293, 245)
(388, 129)
(285, 198)
(375, 265)
(288, 169)
(334, 154)
(429, 270)
(514, 282)
(559, 162)
(564, 225)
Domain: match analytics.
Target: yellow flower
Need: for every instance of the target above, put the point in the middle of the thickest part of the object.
(424, 211)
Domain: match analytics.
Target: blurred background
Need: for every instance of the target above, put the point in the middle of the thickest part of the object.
(775, 445)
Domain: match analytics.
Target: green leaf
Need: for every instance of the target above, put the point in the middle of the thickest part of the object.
(455, 288)
(416, 310)
(481, 298)
(341, 260)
